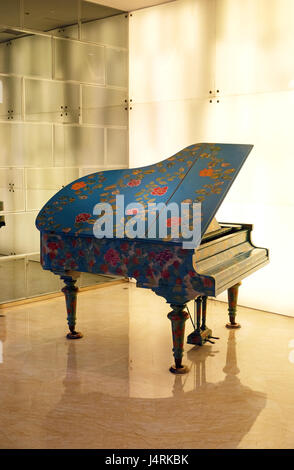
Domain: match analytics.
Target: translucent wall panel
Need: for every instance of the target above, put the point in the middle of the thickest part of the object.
(116, 67)
(39, 281)
(158, 130)
(42, 184)
(104, 106)
(79, 61)
(12, 189)
(94, 11)
(89, 171)
(253, 42)
(12, 278)
(24, 144)
(10, 12)
(78, 145)
(42, 16)
(117, 147)
(29, 55)
(71, 32)
(172, 51)
(263, 191)
(10, 107)
(51, 101)
(256, 119)
(111, 31)
(19, 235)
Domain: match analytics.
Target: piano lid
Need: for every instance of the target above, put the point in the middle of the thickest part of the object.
(199, 173)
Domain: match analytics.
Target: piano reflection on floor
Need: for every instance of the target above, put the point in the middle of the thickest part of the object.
(201, 173)
(205, 415)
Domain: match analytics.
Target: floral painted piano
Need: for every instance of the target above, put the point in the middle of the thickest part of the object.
(83, 229)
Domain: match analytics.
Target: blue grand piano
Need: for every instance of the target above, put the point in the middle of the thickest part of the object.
(134, 245)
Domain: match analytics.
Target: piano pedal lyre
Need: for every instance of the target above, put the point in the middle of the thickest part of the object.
(202, 333)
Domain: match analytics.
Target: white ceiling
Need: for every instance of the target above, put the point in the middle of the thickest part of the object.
(130, 5)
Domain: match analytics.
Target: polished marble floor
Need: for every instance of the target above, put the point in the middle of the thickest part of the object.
(112, 389)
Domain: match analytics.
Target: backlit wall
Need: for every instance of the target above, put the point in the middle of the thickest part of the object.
(223, 71)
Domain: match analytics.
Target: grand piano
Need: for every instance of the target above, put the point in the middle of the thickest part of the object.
(83, 229)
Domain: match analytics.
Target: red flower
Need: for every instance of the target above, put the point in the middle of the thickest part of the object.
(207, 282)
(173, 222)
(159, 191)
(91, 263)
(165, 274)
(79, 185)
(82, 218)
(192, 273)
(104, 268)
(206, 172)
(176, 264)
(53, 245)
(133, 183)
(136, 273)
(112, 257)
(178, 280)
(124, 246)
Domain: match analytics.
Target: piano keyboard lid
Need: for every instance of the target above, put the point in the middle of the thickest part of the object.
(199, 173)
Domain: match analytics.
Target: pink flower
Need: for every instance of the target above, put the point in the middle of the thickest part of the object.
(133, 183)
(173, 222)
(131, 211)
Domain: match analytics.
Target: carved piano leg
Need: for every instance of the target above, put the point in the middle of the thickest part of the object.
(178, 317)
(70, 291)
(232, 301)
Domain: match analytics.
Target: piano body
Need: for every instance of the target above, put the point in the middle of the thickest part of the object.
(199, 173)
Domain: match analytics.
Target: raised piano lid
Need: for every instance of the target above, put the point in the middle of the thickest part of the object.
(199, 173)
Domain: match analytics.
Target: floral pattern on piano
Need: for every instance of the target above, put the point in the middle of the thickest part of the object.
(207, 171)
(167, 270)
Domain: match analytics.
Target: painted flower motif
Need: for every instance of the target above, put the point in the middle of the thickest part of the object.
(112, 257)
(165, 274)
(163, 256)
(83, 217)
(159, 191)
(206, 172)
(133, 183)
(132, 211)
(173, 222)
(52, 245)
(78, 185)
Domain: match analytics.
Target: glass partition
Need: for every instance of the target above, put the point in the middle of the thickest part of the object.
(63, 114)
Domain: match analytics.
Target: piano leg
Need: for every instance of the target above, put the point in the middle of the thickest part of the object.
(70, 291)
(178, 317)
(232, 301)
